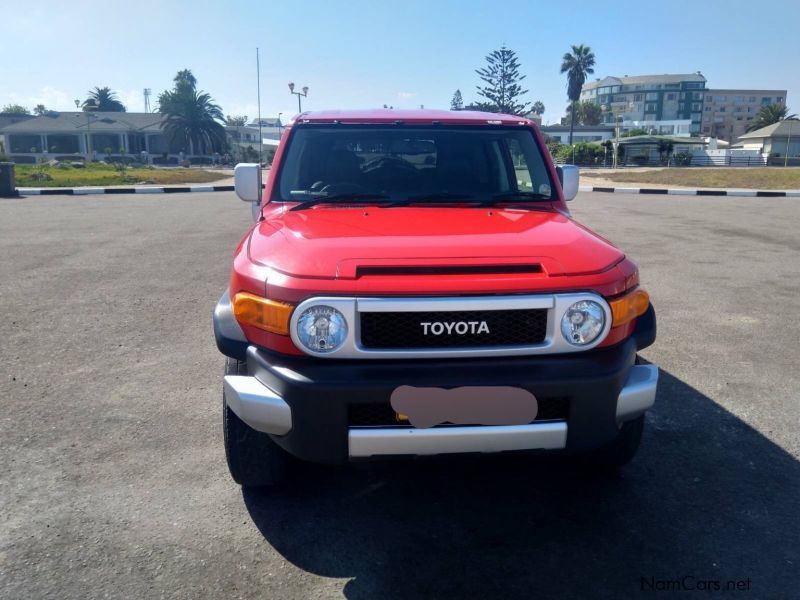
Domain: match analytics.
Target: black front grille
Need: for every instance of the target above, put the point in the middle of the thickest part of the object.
(454, 329)
(381, 414)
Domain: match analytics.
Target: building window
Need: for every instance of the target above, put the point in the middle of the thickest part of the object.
(752, 98)
(766, 100)
(706, 129)
(637, 98)
(105, 142)
(25, 143)
(651, 96)
(65, 144)
(708, 109)
(721, 109)
(722, 98)
(693, 85)
(670, 96)
(779, 100)
(696, 106)
(649, 108)
(738, 99)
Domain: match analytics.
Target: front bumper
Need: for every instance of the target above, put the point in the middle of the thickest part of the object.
(305, 403)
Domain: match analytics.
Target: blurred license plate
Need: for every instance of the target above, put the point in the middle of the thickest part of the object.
(470, 405)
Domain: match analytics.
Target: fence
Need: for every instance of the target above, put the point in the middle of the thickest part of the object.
(696, 161)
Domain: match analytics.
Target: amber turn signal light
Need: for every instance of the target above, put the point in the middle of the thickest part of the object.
(629, 306)
(269, 315)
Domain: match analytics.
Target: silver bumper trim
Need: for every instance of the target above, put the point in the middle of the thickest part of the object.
(223, 315)
(369, 441)
(257, 405)
(639, 392)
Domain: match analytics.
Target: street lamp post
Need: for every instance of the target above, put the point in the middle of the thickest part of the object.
(279, 125)
(304, 93)
(89, 117)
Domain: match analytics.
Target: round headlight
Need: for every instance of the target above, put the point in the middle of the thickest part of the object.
(321, 328)
(583, 322)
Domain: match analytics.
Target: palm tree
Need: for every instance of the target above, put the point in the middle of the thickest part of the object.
(104, 100)
(192, 121)
(577, 65)
(772, 113)
(538, 108)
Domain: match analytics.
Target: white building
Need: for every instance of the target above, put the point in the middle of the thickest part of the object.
(582, 133)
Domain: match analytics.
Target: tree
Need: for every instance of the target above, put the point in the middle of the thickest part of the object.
(239, 121)
(185, 80)
(457, 103)
(40, 110)
(538, 108)
(185, 83)
(482, 107)
(577, 65)
(589, 113)
(15, 109)
(770, 114)
(502, 78)
(192, 121)
(665, 149)
(104, 100)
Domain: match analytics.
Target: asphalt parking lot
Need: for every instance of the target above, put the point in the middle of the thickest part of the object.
(114, 484)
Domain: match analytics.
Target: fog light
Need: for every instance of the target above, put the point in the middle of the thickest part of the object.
(583, 322)
(321, 329)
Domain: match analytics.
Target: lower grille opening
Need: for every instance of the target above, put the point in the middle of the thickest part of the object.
(381, 414)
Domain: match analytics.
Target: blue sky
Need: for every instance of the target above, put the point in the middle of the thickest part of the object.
(355, 54)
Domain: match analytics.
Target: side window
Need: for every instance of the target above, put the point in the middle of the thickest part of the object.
(521, 167)
(530, 169)
(498, 163)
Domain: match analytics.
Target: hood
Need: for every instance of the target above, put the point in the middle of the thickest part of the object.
(328, 242)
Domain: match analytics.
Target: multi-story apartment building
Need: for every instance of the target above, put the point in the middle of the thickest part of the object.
(651, 98)
(728, 113)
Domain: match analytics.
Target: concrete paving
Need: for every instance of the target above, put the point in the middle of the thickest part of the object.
(114, 484)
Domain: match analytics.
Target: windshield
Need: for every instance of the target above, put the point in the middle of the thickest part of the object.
(412, 164)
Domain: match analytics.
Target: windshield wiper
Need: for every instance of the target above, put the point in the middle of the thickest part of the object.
(439, 196)
(434, 198)
(511, 196)
(360, 197)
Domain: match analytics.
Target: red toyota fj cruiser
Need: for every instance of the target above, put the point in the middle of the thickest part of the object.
(415, 285)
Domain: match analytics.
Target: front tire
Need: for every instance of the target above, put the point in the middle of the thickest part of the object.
(621, 450)
(254, 460)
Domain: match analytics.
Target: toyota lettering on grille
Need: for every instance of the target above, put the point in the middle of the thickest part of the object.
(451, 327)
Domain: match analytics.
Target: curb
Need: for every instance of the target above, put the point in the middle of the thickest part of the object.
(86, 191)
(687, 192)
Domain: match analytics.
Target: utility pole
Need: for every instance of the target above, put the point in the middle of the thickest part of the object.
(788, 139)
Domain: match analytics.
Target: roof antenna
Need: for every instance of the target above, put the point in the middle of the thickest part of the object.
(260, 138)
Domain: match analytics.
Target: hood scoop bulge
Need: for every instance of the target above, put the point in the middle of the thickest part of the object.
(399, 270)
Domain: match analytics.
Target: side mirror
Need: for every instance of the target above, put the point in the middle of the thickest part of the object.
(569, 176)
(247, 182)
